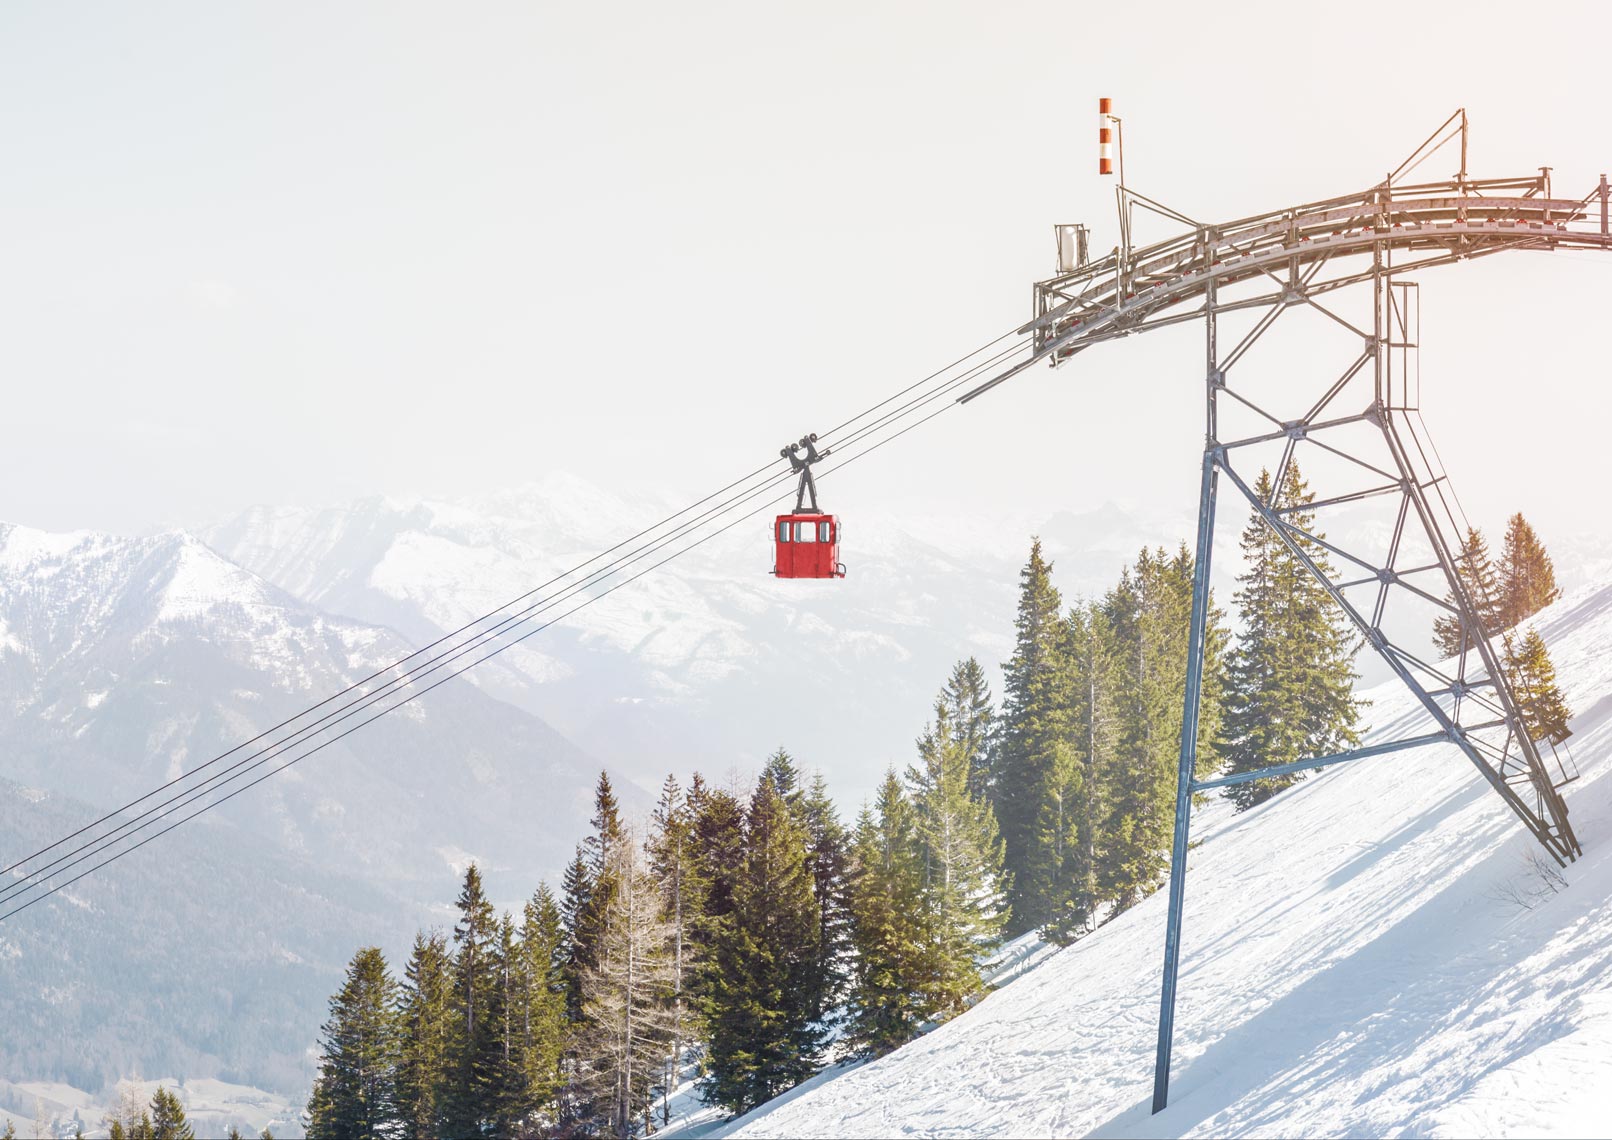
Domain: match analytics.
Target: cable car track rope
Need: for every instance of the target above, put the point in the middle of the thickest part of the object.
(298, 737)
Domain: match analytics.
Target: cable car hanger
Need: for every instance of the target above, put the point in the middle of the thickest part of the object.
(808, 485)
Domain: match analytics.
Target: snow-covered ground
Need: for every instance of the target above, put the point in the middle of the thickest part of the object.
(1376, 952)
(689, 1118)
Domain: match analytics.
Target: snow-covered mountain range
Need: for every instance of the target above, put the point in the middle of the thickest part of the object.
(125, 662)
(1381, 951)
(710, 663)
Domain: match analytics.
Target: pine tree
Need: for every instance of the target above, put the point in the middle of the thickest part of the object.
(782, 772)
(717, 819)
(355, 1093)
(474, 1043)
(590, 889)
(425, 1025)
(509, 1096)
(577, 886)
(763, 1035)
(828, 857)
(1097, 795)
(967, 697)
(716, 823)
(963, 895)
(894, 969)
(1291, 677)
(1483, 588)
(1032, 753)
(543, 1023)
(168, 1118)
(1540, 702)
(598, 852)
(1137, 648)
(1528, 577)
(606, 822)
(624, 995)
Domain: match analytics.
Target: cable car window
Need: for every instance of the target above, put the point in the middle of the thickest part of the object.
(805, 532)
(783, 532)
(823, 532)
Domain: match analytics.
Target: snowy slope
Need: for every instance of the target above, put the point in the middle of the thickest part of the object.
(1372, 953)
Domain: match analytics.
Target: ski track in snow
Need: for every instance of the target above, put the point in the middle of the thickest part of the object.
(1354, 963)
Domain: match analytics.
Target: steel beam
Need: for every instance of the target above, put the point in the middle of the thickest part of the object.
(1321, 761)
(1196, 636)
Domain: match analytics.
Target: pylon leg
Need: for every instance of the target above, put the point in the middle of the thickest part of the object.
(1184, 778)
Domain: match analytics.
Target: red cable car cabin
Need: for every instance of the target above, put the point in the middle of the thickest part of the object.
(808, 546)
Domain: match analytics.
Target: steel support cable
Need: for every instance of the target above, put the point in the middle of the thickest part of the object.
(941, 390)
(396, 684)
(477, 621)
(381, 671)
(926, 379)
(367, 699)
(443, 680)
(255, 760)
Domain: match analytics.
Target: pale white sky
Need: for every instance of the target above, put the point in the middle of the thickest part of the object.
(297, 252)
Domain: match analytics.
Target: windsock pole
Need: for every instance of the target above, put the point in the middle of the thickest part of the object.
(1105, 144)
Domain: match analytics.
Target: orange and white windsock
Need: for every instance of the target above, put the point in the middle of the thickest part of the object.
(1105, 134)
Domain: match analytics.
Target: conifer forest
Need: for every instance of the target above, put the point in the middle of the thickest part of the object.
(743, 937)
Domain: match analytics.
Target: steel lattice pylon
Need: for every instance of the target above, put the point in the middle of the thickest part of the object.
(1339, 268)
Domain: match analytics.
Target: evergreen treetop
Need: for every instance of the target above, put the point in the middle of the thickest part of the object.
(964, 887)
(543, 1023)
(576, 901)
(1528, 577)
(972, 717)
(606, 823)
(828, 858)
(475, 1044)
(894, 964)
(759, 1001)
(1291, 677)
(1032, 745)
(1539, 699)
(168, 1117)
(355, 1094)
(784, 775)
(425, 1027)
